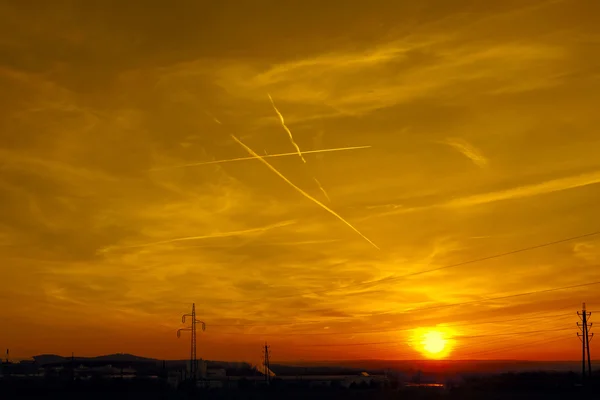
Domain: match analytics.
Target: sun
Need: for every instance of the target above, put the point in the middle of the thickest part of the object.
(432, 343)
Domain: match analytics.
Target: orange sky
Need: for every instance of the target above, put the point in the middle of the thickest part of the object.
(481, 124)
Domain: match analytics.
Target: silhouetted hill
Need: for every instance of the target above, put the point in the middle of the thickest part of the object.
(233, 368)
(53, 358)
(48, 359)
(123, 357)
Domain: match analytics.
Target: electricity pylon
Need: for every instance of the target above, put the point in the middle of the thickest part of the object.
(192, 328)
(266, 364)
(585, 336)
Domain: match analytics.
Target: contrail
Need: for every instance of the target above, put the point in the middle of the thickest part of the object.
(265, 156)
(321, 188)
(212, 236)
(299, 152)
(302, 192)
(213, 117)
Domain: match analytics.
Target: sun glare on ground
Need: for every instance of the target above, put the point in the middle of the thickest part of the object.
(432, 343)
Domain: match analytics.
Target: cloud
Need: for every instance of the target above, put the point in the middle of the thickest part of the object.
(536, 189)
(406, 71)
(50, 169)
(516, 192)
(203, 237)
(588, 252)
(468, 150)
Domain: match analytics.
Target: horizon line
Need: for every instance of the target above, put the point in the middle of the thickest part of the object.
(318, 361)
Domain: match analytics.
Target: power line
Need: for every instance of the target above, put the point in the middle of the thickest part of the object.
(537, 315)
(504, 336)
(479, 344)
(457, 304)
(547, 340)
(510, 320)
(510, 333)
(454, 349)
(539, 246)
(460, 264)
(386, 330)
(450, 338)
(266, 325)
(509, 296)
(460, 348)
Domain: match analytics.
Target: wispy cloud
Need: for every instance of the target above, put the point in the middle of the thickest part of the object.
(409, 71)
(587, 251)
(51, 168)
(468, 150)
(334, 62)
(554, 185)
(203, 237)
(518, 192)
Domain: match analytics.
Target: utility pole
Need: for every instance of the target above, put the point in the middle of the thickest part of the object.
(266, 363)
(192, 328)
(585, 336)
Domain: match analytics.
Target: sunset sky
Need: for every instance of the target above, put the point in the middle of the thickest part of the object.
(478, 124)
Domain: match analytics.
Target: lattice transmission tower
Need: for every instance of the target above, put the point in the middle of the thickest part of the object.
(585, 336)
(192, 328)
(266, 363)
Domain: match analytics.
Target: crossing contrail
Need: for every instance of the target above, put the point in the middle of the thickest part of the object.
(302, 192)
(299, 152)
(321, 188)
(265, 156)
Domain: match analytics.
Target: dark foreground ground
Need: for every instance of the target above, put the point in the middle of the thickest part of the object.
(155, 390)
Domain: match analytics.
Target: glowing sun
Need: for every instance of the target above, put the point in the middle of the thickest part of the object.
(431, 343)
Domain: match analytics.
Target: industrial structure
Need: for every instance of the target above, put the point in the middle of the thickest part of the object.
(267, 364)
(585, 336)
(192, 329)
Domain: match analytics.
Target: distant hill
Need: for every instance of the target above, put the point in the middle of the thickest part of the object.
(52, 358)
(239, 367)
(48, 359)
(123, 357)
